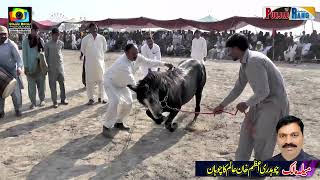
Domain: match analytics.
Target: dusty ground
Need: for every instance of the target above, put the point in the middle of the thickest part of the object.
(65, 143)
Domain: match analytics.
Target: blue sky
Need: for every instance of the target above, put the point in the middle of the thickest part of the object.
(163, 9)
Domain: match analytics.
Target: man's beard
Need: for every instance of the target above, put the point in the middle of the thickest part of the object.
(2, 40)
(135, 58)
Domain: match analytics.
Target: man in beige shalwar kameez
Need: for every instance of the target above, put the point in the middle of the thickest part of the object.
(268, 104)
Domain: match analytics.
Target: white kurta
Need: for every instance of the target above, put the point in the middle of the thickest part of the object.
(116, 79)
(305, 49)
(74, 41)
(93, 50)
(199, 49)
(290, 53)
(153, 53)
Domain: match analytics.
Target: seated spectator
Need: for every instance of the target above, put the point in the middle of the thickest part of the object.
(289, 54)
(305, 49)
(170, 50)
(259, 46)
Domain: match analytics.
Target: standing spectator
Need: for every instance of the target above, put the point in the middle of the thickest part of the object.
(73, 41)
(93, 47)
(31, 47)
(151, 51)
(55, 67)
(199, 47)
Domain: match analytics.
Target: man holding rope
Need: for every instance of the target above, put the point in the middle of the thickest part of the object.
(268, 104)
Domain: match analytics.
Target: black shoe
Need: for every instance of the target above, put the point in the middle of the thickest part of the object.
(103, 102)
(32, 106)
(42, 104)
(64, 102)
(91, 102)
(121, 126)
(108, 132)
(1, 115)
(55, 105)
(18, 113)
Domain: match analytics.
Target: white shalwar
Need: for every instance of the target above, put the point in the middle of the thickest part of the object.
(116, 79)
(153, 53)
(290, 53)
(199, 49)
(73, 41)
(93, 50)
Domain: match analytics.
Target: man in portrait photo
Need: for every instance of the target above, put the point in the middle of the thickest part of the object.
(290, 140)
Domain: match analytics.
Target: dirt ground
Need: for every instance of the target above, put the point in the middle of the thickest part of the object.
(65, 143)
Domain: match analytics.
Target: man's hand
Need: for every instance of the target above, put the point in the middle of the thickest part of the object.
(242, 107)
(19, 71)
(218, 109)
(169, 65)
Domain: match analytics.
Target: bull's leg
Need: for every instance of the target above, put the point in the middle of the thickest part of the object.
(168, 124)
(157, 121)
(198, 101)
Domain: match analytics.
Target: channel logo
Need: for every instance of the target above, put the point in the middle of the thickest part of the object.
(19, 19)
(19, 15)
(289, 13)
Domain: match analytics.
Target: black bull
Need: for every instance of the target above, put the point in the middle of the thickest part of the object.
(167, 91)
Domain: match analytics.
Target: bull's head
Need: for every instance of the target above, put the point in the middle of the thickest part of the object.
(149, 98)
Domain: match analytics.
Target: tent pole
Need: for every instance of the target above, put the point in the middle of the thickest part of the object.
(273, 48)
(312, 25)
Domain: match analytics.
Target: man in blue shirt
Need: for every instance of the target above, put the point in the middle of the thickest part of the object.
(10, 61)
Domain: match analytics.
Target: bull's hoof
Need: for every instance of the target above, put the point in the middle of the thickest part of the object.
(174, 126)
(171, 127)
(167, 124)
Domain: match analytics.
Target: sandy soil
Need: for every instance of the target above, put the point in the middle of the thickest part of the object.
(65, 143)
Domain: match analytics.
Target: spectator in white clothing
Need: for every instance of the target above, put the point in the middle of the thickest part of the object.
(199, 47)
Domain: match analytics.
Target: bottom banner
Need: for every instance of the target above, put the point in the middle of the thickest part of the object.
(256, 168)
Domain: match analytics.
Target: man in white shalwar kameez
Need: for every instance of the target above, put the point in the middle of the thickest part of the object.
(151, 51)
(116, 79)
(93, 46)
(73, 41)
(290, 53)
(199, 47)
(268, 104)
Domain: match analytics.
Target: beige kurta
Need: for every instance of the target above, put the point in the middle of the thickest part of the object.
(267, 105)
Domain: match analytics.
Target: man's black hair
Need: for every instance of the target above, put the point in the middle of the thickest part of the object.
(288, 120)
(92, 25)
(238, 40)
(34, 26)
(197, 31)
(128, 47)
(55, 31)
